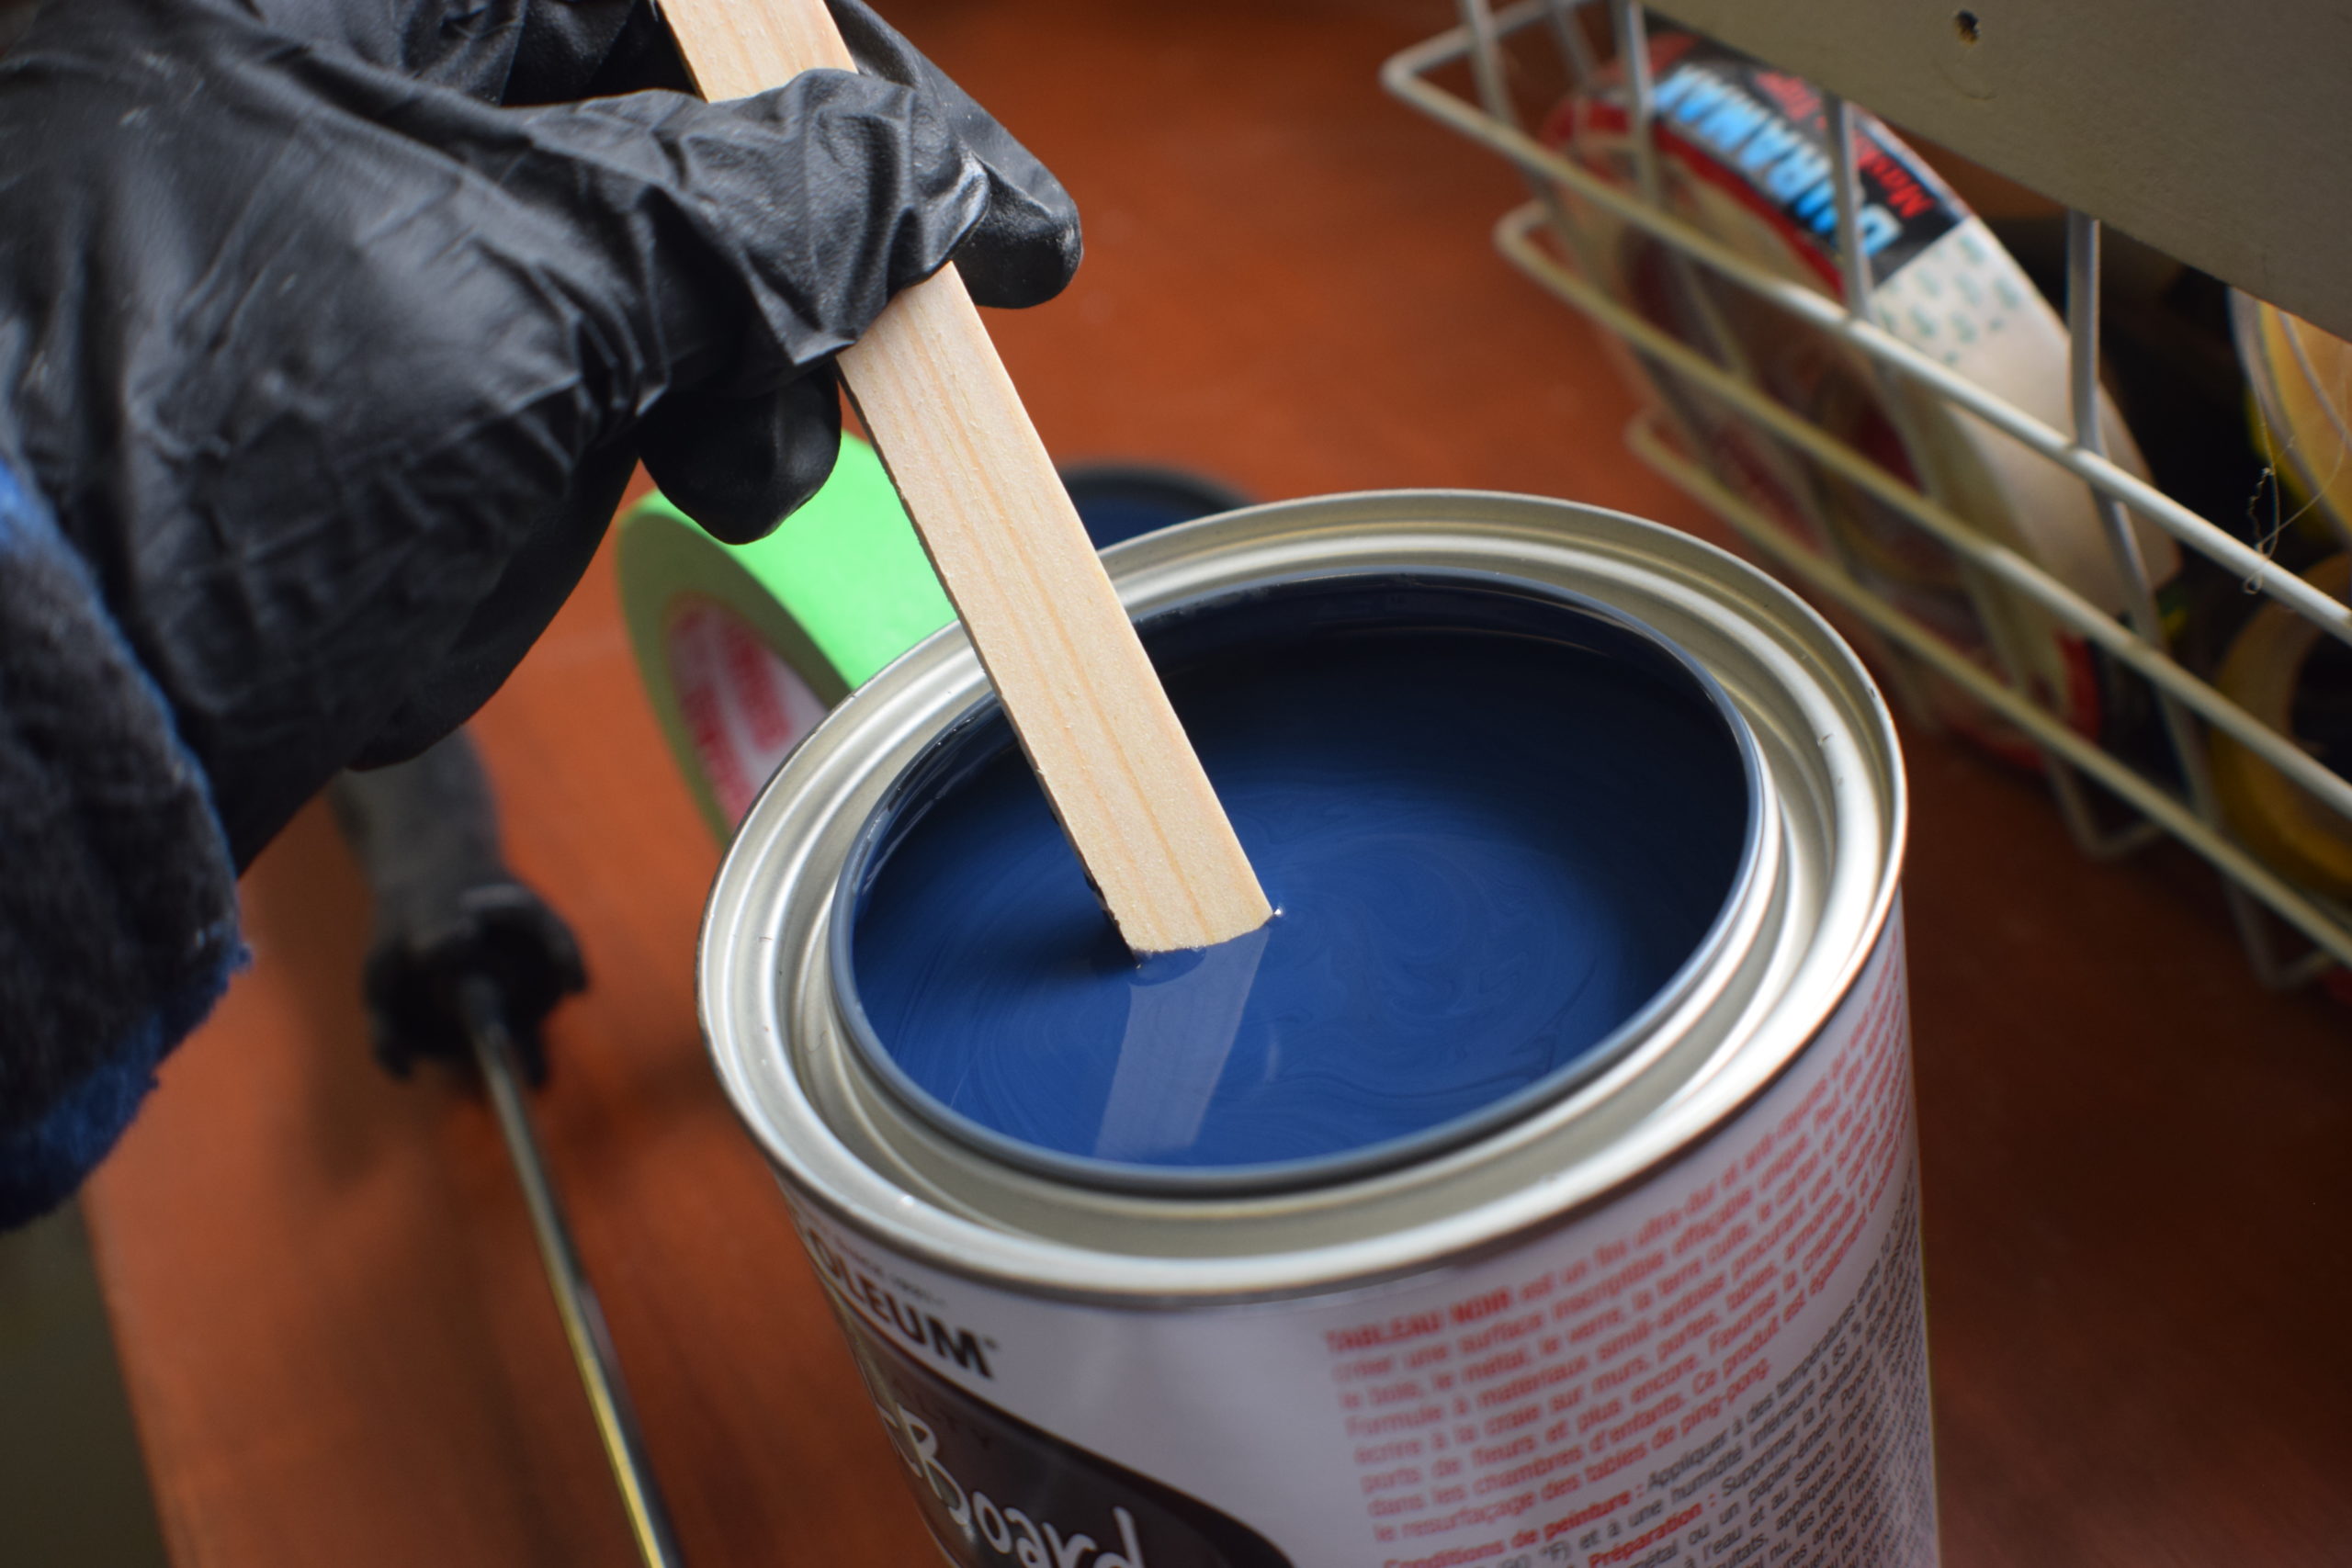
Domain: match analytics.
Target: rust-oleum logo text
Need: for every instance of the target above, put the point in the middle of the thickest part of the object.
(881, 1307)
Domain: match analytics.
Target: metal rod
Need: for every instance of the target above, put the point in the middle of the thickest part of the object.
(575, 1299)
(1487, 62)
(1632, 27)
(2083, 387)
(2010, 568)
(1569, 34)
(1852, 262)
(1402, 76)
(2140, 598)
(2326, 926)
(1992, 612)
(1494, 89)
(1487, 31)
(2065, 783)
(1985, 596)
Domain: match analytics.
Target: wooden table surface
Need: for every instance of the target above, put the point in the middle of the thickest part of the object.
(339, 1346)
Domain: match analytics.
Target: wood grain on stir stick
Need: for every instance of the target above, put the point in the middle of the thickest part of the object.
(1013, 557)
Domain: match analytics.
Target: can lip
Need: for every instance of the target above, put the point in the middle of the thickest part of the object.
(1833, 765)
(1270, 1177)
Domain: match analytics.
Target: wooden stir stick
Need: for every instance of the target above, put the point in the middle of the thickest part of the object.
(1013, 557)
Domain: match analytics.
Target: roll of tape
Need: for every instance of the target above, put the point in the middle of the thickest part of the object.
(2271, 671)
(743, 648)
(2301, 378)
(1744, 155)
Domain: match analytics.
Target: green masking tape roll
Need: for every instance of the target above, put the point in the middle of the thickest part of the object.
(743, 648)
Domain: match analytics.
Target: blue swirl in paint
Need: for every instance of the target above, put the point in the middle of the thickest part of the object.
(1487, 851)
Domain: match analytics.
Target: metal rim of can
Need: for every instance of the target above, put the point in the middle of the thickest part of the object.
(1834, 792)
(1182, 1181)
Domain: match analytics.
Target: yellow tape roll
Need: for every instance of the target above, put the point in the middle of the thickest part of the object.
(2301, 378)
(2280, 820)
(742, 649)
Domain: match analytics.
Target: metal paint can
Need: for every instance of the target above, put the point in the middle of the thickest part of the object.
(1670, 1313)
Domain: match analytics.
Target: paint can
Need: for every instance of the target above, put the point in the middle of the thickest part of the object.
(1667, 1311)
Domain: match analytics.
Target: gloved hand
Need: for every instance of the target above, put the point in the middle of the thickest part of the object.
(334, 368)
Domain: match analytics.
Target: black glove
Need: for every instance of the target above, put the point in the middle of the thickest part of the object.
(333, 369)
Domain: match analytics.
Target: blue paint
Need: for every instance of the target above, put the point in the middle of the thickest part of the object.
(1495, 828)
(1118, 501)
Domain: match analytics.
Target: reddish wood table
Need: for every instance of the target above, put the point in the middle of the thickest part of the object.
(337, 1338)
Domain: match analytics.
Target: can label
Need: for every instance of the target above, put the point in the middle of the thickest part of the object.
(744, 707)
(1726, 1365)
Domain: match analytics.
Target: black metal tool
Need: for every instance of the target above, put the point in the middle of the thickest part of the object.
(466, 964)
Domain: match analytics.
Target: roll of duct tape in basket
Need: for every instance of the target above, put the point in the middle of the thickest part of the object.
(1745, 156)
(743, 648)
(2284, 672)
(2302, 379)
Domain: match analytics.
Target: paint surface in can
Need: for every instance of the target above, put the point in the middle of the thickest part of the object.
(1488, 847)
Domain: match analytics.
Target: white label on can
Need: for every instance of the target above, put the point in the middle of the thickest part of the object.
(1724, 1366)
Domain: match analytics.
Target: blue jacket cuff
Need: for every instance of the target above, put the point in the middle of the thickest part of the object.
(119, 905)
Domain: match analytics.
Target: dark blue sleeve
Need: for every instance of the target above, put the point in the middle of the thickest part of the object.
(117, 899)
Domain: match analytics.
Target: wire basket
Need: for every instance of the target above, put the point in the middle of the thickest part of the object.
(2161, 782)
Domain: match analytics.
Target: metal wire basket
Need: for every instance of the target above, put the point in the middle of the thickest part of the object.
(2167, 788)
